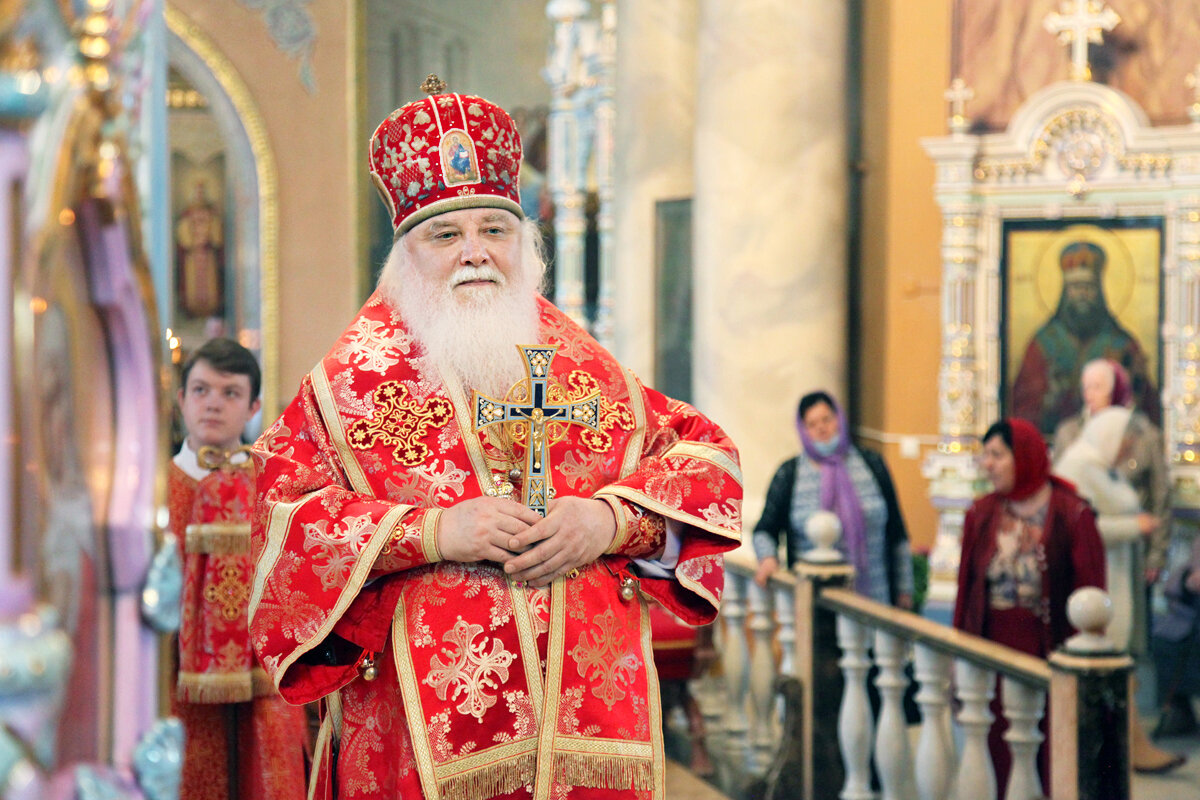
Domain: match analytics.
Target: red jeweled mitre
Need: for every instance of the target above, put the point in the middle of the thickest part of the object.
(445, 152)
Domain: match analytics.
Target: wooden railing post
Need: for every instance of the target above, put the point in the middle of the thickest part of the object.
(816, 663)
(1094, 691)
(1091, 691)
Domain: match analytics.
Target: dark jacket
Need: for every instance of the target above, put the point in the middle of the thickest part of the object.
(777, 510)
(1074, 558)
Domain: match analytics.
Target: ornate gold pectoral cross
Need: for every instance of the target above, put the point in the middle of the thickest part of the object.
(537, 487)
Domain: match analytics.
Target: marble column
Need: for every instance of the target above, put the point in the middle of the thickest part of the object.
(769, 220)
(655, 98)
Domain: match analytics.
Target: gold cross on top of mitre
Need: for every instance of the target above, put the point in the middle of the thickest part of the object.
(433, 85)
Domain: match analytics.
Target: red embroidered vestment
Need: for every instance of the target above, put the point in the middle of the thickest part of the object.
(485, 688)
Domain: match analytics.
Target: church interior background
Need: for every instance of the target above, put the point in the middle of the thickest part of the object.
(746, 201)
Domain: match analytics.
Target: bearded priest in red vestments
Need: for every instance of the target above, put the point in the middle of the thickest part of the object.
(463, 645)
(241, 739)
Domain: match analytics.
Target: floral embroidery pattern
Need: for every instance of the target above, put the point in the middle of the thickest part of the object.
(612, 414)
(604, 656)
(727, 515)
(231, 594)
(336, 550)
(524, 724)
(469, 668)
(371, 346)
(399, 422)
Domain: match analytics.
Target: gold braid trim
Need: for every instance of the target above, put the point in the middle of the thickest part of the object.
(490, 781)
(623, 526)
(597, 771)
(429, 535)
(218, 538)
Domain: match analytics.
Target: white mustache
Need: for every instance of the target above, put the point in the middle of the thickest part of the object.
(468, 274)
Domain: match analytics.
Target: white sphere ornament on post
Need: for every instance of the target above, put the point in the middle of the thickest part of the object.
(823, 529)
(1090, 610)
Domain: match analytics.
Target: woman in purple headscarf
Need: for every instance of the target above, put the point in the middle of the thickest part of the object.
(832, 474)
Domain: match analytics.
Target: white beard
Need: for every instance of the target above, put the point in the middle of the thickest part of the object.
(470, 334)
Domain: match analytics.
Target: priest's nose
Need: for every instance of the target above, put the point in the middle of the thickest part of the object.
(473, 252)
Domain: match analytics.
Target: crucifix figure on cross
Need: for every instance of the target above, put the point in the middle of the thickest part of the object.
(1081, 22)
(537, 489)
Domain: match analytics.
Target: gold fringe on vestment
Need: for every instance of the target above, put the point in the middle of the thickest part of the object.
(234, 687)
(597, 771)
(492, 780)
(218, 538)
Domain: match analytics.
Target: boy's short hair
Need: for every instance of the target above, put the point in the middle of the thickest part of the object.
(226, 355)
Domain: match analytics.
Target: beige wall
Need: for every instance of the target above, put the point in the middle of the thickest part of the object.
(906, 68)
(314, 142)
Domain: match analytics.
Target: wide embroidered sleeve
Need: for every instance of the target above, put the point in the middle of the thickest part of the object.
(321, 554)
(686, 476)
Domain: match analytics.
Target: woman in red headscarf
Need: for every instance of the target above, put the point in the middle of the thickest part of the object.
(1026, 547)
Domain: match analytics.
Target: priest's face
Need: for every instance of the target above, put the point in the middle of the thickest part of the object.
(475, 252)
(216, 406)
(466, 284)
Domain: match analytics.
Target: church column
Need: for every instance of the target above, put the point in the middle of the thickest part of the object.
(963, 408)
(570, 131)
(770, 220)
(656, 98)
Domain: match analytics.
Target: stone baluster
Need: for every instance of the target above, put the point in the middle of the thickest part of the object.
(817, 655)
(762, 679)
(735, 661)
(710, 695)
(1023, 706)
(785, 617)
(893, 755)
(976, 779)
(856, 726)
(935, 748)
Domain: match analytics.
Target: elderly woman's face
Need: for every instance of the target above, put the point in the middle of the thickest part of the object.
(1097, 386)
(998, 462)
(821, 423)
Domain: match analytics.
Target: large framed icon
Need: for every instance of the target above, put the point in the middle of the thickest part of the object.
(1072, 291)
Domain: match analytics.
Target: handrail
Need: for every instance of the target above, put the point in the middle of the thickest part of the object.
(1027, 669)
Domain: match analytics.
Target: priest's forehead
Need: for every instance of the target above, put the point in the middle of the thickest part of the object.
(482, 216)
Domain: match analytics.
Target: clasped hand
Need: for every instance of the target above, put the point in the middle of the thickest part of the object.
(575, 532)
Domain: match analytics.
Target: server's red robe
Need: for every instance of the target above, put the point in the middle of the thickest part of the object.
(484, 688)
(241, 738)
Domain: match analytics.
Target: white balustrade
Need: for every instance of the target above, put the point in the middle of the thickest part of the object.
(976, 779)
(855, 725)
(935, 748)
(785, 615)
(893, 755)
(1023, 706)
(735, 661)
(763, 736)
(744, 718)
